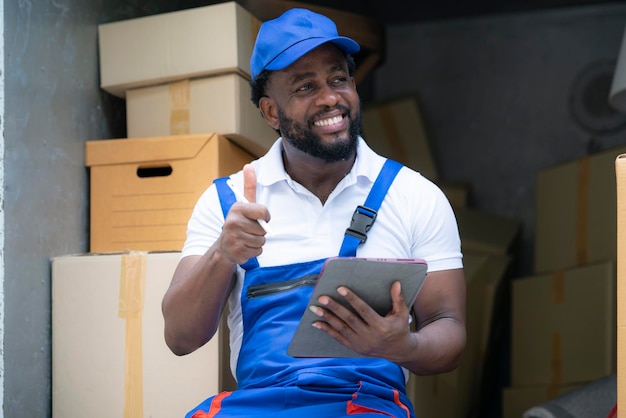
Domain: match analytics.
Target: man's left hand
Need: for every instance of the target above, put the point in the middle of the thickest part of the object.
(367, 332)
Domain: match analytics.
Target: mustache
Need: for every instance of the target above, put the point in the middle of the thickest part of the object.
(343, 109)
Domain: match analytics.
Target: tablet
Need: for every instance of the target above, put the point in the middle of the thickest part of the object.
(368, 278)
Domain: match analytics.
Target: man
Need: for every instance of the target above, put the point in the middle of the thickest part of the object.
(307, 188)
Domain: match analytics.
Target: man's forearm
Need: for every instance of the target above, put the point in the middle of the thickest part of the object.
(436, 348)
(195, 300)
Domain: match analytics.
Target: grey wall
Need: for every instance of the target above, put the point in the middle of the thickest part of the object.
(493, 91)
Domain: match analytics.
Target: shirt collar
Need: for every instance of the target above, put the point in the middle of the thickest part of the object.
(271, 169)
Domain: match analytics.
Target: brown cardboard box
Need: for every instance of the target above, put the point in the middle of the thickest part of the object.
(489, 296)
(620, 175)
(563, 327)
(156, 49)
(486, 232)
(395, 129)
(575, 216)
(143, 190)
(219, 104)
(517, 400)
(454, 394)
(108, 351)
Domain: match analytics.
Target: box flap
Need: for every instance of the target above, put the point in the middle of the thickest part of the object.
(136, 150)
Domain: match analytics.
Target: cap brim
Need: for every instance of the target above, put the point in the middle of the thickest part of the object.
(297, 51)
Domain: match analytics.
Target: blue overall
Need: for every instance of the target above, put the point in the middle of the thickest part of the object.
(273, 384)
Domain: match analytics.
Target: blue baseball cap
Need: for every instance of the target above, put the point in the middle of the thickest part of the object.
(282, 41)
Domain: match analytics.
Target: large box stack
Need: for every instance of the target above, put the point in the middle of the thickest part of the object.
(563, 323)
(395, 128)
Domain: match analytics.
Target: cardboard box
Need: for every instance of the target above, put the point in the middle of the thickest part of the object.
(517, 400)
(219, 104)
(481, 231)
(395, 129)
(487, 294)
(575, 217)
(563, 327)
(620, 175)
(109, 357)
(190, 43)
(454, 394)
(143, 190)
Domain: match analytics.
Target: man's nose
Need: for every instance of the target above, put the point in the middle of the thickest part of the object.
(327, 96)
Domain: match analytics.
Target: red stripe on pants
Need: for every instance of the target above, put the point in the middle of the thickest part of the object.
(216, 407)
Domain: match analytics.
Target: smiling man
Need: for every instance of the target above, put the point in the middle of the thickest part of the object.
(318, 177)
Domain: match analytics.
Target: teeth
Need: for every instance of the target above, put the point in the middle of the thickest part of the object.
(330, 121)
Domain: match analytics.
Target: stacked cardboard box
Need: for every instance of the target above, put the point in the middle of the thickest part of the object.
(143, 190)
(576, 212)
(563, 319)
(219, 104)
(109, 357)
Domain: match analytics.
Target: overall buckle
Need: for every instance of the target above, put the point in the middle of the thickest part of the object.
(362, 220)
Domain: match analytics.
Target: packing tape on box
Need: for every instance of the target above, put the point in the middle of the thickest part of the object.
(557, 359)
(552, 391)
(130, 308)
(180, 99)
(558, 296)
(558, 287)
(582, 212)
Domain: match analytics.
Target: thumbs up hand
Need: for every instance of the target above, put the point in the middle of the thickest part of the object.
(242, 236)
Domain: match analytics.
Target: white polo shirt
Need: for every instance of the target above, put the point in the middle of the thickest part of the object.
(415, 220)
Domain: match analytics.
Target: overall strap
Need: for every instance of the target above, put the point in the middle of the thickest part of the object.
(365, 215)
(227, 198)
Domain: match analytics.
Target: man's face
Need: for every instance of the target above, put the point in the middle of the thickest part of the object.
(316, 104)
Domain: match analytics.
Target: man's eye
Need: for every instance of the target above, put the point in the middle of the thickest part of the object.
(339, 80)
(305, 87)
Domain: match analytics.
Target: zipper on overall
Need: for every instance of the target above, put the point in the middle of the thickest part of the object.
(277, 287)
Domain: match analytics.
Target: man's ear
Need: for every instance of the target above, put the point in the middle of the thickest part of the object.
(269, 111)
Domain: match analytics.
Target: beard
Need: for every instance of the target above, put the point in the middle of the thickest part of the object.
(301, 137)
